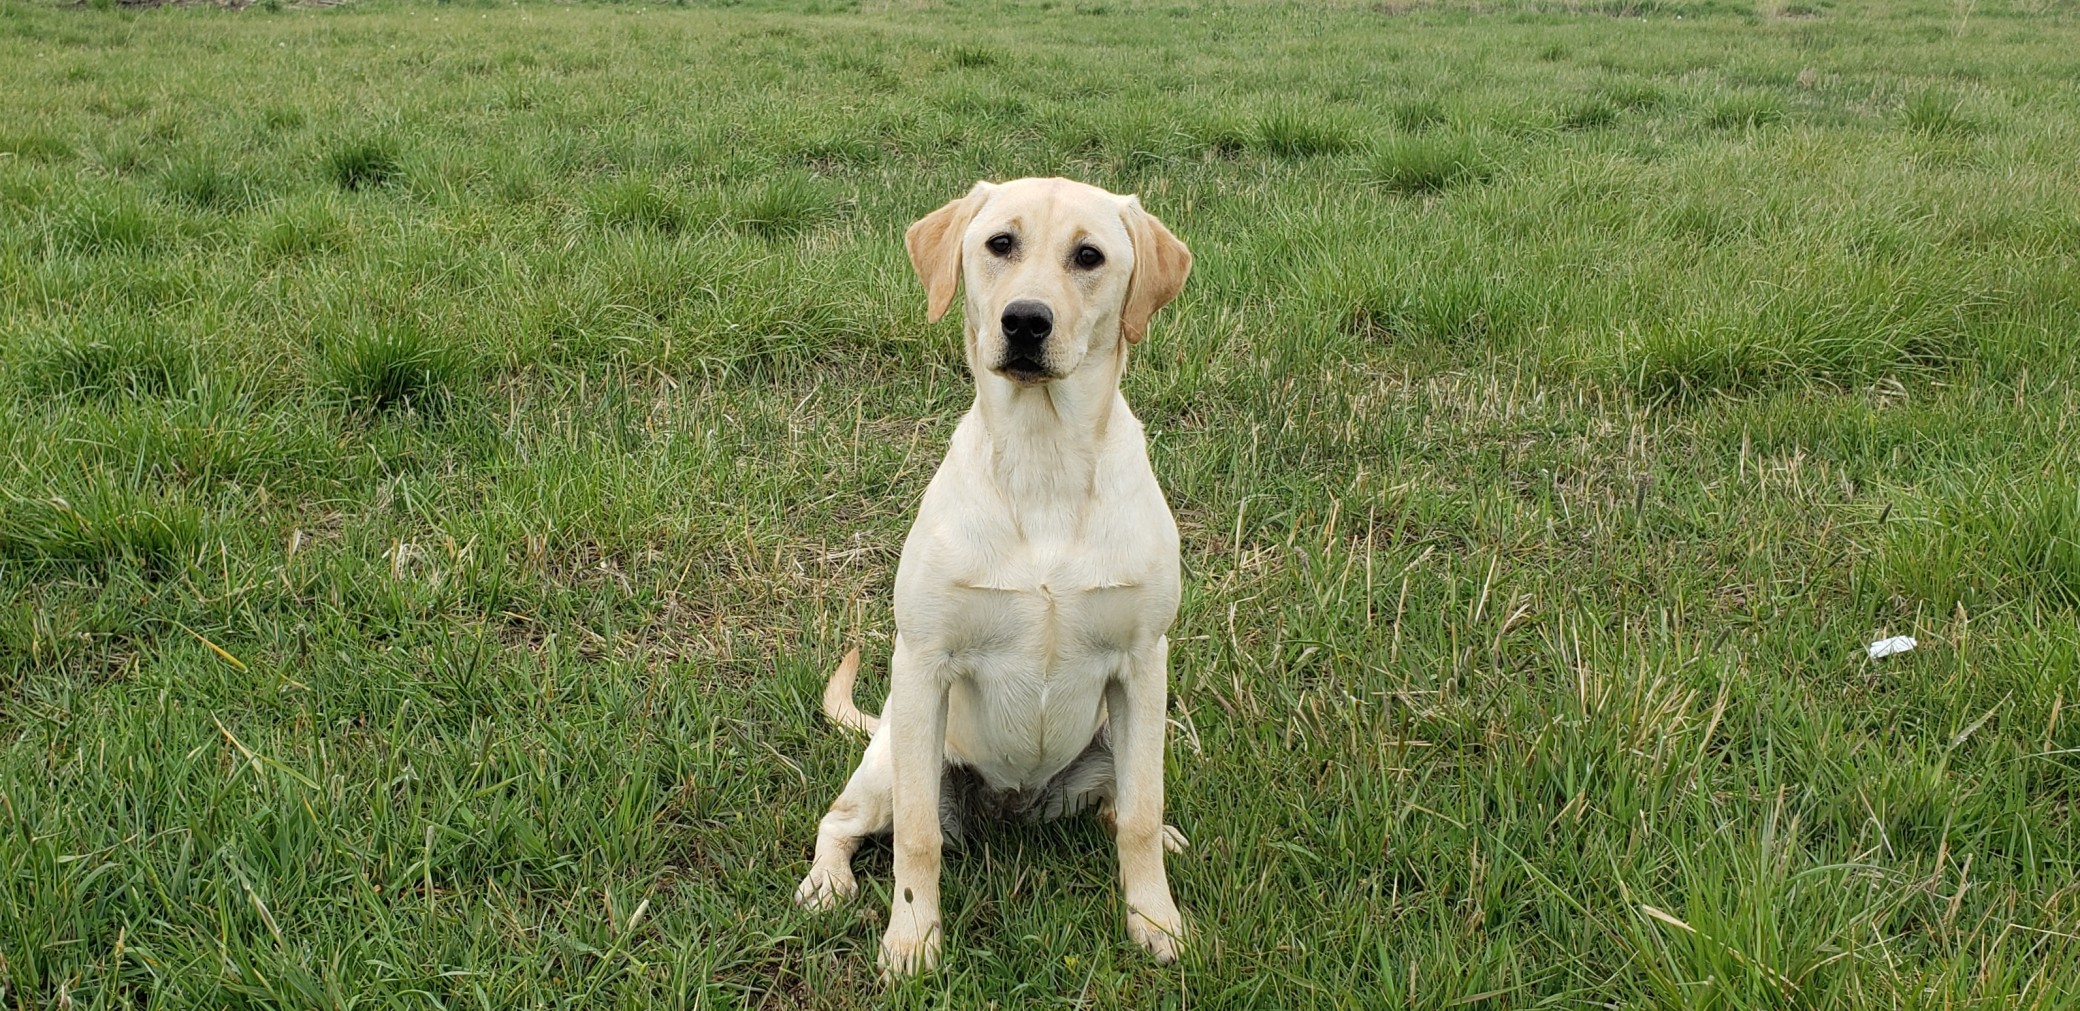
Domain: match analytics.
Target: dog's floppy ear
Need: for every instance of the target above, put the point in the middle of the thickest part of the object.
(934, 243)
(1161, 263)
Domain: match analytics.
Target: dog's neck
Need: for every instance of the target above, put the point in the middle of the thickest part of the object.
(1045, 439)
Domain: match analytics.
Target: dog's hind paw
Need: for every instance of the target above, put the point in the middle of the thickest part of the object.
(825, 888)
(1173, 840)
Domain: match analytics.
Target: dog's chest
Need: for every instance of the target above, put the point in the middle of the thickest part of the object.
(1045, 608)
(1032, 649)
(1040, 593)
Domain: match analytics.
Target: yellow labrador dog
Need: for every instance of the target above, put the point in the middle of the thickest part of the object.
(1039, 581)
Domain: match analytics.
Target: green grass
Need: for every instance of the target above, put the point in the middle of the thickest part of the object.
(1428, 164)
(639, 204)
(363, 164)
(1290, 133)
(108, 222)
(204, 184)
(1934, 113)
(1744, 108)
(395, 369)
(446, 447)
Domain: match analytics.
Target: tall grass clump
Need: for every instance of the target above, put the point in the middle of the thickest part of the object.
(361, 164)
(1221, 135)
(311, 225)
(636, 203)
(390, 369)
(1984, 543)
(1832, 320)
(108, 220)
(1289, 133)
(1429, 164)
(1450, 308)
(836, 150)
(282, 118)
(1418, 114)
(35, 145)
(1746, 109)
(785, 204)
(100, 518)
(1589, 113)
(973, 56)
(1937, 114)
(204, 184)
(124, 357)
(1634, 94)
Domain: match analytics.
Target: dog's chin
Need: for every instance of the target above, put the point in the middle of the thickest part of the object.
(1025, 372)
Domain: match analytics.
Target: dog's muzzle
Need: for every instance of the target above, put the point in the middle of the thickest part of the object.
(1026, 325)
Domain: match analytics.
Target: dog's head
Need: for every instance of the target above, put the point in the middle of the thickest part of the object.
(1054, 269)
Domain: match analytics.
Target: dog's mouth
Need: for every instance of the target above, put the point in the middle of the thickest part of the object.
(1025, 370)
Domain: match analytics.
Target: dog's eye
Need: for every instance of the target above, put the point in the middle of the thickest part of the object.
(1001, 243)
(1088, 257)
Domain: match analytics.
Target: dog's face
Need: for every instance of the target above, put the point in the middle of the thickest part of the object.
(1054, 271)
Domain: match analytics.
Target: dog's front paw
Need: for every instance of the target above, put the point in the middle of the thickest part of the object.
(907, 951)
(1163, 936)
(1173, 840)
(825, 887)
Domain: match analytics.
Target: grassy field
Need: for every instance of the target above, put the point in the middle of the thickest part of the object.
(446, 447)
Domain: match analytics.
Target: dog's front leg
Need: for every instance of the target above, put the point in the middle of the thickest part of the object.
(1135, 703)
(916, 719)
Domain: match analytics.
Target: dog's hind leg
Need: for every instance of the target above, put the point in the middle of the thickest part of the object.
(865, 807)
(1174, 840)
(1091, 780)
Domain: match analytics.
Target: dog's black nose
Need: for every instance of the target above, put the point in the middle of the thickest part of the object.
(1027, 323)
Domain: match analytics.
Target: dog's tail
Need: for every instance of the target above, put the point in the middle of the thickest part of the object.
(837, 698)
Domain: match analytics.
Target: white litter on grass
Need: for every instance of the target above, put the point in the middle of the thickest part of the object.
(1886, 647)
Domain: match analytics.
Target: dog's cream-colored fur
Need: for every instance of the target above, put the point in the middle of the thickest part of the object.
(1039, 581)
